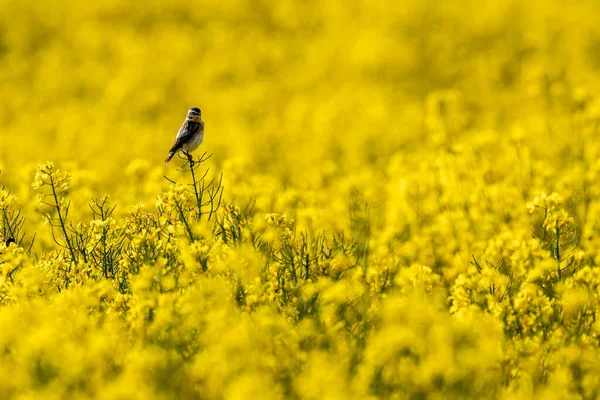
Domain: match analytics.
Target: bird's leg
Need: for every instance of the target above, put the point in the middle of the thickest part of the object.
(190, 158)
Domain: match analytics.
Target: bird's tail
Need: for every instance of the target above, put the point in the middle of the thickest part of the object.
(171, 154)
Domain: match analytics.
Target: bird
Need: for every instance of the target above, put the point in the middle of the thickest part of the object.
(190, 134)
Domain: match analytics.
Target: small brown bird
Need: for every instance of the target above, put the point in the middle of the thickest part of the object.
(190, 134)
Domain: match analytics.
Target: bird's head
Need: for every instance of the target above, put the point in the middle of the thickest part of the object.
(194, 114)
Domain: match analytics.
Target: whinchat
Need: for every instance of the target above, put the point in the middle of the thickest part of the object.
(190, 134)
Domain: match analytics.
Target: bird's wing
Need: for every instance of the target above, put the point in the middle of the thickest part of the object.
(187, 131)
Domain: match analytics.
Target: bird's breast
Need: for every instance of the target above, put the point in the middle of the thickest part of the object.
(194, 142)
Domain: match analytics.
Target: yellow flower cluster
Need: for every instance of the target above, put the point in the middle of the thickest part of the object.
(403, 200)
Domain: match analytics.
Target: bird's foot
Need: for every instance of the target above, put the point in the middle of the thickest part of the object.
(189, 157)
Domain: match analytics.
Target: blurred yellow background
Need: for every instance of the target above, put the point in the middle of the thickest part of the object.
(285, 87)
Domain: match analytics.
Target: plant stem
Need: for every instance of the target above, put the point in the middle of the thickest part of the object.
(197, 195)
(60, 218)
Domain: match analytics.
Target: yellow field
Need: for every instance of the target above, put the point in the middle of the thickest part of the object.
(403, 200)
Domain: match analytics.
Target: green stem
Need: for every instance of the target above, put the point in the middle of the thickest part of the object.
(7, 226)
(198, 200)
(184, 221)
(557, 250)
(60, 218)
